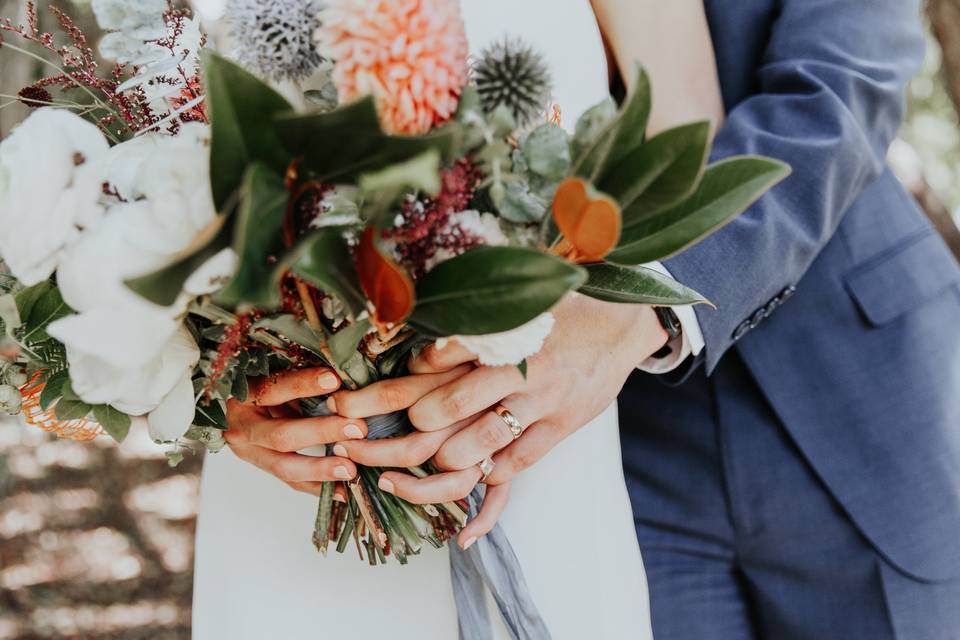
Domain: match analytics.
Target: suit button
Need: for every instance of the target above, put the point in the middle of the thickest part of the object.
(787, 293)
(758, 317)
(772, 306)
(741, 330)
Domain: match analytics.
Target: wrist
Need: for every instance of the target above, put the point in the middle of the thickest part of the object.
(652, 333)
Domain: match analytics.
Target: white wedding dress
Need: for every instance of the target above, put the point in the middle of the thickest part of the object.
(258, 576)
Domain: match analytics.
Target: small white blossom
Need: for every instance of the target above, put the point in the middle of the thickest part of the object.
(142, 19)
(50, 186)
(485, 226)
(509, 347)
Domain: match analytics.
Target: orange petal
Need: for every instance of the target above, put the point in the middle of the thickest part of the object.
(386, 284)
(590, 224)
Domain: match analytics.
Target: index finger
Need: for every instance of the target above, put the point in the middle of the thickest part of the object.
(281, 388)
(434, 359)
(388, 396)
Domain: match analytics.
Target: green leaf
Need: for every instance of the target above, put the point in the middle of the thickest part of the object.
(68, 409)
(9, 314)
(340, 145)
(39, 306)
(547, 151)
(728, 188)
(324, 260)
(295, 331)
(53, 389)
(258, 241)
(114, 422)
(210, 414)
(343, 344)
(659, 174)
(520, 205)
(241, 108)
(522, 367)
(240, 389)
(163, 287)
(491, 289)
(593, 124)
(621, 136)
(385, 187)
(637, 285)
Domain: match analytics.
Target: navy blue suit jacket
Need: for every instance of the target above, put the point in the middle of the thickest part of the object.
(834, 288)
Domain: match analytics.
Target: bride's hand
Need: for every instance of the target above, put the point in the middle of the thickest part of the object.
(268, 429)
(579, 372)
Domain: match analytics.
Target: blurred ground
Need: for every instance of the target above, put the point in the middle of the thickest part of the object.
(96, 541)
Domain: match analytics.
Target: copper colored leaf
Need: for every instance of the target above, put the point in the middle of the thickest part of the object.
(591, 224)
(386, 284)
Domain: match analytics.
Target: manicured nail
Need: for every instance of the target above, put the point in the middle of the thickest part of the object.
(332, 404)
(353, 432)
(328, 381)
(340, 451)
(469, 543)
(341, 472)
(385, 485)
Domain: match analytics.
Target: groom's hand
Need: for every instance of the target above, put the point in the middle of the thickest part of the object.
(579, 372)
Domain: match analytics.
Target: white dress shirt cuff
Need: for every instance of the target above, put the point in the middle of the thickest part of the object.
(690, 343)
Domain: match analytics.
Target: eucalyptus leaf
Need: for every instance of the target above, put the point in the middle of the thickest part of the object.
(637, 285)
(728, 188)
(258, 241)
(68, 409)
(114, 422)
(340, 145)
(210, 414)
(520, 205)
(490, 290)
(659, 174)
(592, 124)
(40, 305)
(343, 344)
(547, 151)
(295, 331)
(240, 107)
(324, 260)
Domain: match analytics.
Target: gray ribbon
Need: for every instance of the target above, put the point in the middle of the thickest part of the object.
(490, 562)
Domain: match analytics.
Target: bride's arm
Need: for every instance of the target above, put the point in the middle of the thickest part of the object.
(672, 41)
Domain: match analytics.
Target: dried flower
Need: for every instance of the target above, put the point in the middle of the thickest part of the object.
(513, 74)
(410, 55)
(275, 39)
(34, 96)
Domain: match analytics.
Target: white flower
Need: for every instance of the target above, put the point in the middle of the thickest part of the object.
(509, 347)
(142, 19)
(10, 400)
(275, 39)
(485, 226)
(49, 187)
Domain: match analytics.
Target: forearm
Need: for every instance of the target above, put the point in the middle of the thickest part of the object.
(672, 41)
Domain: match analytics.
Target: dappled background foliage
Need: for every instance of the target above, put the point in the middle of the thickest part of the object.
(97, 541)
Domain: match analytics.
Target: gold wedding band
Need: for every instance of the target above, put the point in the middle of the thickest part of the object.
(515, 427)
(486, 468)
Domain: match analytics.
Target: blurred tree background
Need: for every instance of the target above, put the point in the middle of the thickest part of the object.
(96, 540)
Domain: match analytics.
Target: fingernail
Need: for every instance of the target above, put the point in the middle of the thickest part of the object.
(469, 543)
(353, 432)
(332, 404)
(328, 381)
(340, 451)
(385, 485)
(342, 473)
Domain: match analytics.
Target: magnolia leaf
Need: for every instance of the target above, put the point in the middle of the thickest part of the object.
(211, 414)
(385, 187)
(637, 285)
(114, 422)
(728, 188)
(343, 344)
(659, 174)
(386, 284)
(340, 145)
(590, 223)
(620, 137)
(323, 259)
(490, 290)
(547, 151)
(53, 389)
(240, 107)
(40, 305)
(258, 242)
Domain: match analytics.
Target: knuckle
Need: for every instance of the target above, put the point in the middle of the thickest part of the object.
(281, 439)
(523, 460)
(392, 394)
(456, 403)
(419, 451)
(491, 435)
(283, 471)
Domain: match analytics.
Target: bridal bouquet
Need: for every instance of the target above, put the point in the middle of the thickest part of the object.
(179, 226)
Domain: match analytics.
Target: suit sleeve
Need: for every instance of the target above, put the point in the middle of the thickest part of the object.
(830, 99)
